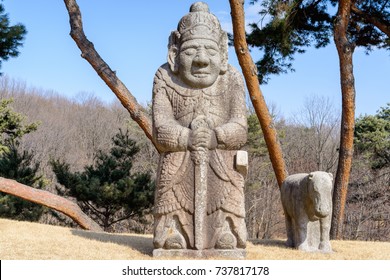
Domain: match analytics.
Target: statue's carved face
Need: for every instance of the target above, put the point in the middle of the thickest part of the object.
(199, 62)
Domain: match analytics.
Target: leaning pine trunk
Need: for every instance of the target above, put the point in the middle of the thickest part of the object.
(50, 200)
(252, 83)
(109, 76)
(345, 51)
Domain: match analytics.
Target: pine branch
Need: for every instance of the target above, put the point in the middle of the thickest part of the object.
(121, 219)
(381, 24)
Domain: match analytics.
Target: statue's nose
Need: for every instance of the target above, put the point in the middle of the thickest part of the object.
(201, 59)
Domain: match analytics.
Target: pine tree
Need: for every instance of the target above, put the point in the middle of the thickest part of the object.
(107, 190)
(17, 164)
(11, 36)
(287, 28)
(372, 137)
(20, 167)
(12, 125)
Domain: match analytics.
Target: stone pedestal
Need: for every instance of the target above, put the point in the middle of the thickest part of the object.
(200, 254)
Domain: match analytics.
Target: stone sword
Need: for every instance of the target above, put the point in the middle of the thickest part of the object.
(200, 158)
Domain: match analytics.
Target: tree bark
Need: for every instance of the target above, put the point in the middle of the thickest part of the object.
(345, 51)
(89, 53)
(50, 200)
(249, 70)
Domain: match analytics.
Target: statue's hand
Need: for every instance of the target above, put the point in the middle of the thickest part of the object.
(199, 121)
(202, 137)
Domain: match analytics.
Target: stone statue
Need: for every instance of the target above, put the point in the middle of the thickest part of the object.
(307, 204)
(199, 123)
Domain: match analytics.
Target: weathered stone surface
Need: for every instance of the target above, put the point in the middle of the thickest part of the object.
(199, 123)
(307, 204)
(200, 254)
(242, 162)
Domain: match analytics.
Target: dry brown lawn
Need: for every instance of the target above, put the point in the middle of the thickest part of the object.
(32, 241)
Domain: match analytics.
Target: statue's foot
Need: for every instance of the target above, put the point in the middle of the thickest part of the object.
(175, 241)
(325, 247)
(226, 241)
(305, 247)
(290, 243)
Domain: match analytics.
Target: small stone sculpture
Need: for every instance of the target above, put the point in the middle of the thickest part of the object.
(307, 204)
(199, 123)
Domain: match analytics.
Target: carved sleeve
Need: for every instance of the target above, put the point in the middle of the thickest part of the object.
(233, 134)
(170, 136)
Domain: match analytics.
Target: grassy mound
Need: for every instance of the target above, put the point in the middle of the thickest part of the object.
(32, 241)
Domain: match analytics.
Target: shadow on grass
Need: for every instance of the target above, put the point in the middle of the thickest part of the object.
(269, 243)
(141, 244)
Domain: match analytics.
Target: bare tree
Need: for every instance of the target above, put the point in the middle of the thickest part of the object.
(264, 213)
(367, 213)
(317, 124)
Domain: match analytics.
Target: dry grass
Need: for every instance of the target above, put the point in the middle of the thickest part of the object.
(25, 241)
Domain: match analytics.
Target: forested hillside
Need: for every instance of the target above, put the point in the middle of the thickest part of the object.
(70, 129)
(76, 131)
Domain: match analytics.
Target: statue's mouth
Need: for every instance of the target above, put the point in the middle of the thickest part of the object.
(200, 74)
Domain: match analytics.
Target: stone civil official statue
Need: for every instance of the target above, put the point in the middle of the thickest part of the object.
(199, 123)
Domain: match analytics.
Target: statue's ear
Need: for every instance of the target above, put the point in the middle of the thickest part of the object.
(173, 51)
(223, 46)
(330, 175)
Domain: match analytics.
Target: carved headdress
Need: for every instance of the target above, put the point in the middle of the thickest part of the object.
(199, 23)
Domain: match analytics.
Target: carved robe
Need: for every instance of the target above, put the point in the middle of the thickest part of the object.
(175, 106)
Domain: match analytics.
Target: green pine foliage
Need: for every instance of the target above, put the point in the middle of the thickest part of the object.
(286, 28)
(12, 125)
(107, 190)
(372, 137)
(17, 164)
(20, 167)
(11, 36)
(256, 143)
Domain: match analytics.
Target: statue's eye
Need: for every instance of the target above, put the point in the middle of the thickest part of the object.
(190, 51)
(212, 52)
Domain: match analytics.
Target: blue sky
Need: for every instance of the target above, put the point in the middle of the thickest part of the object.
(132, 36)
